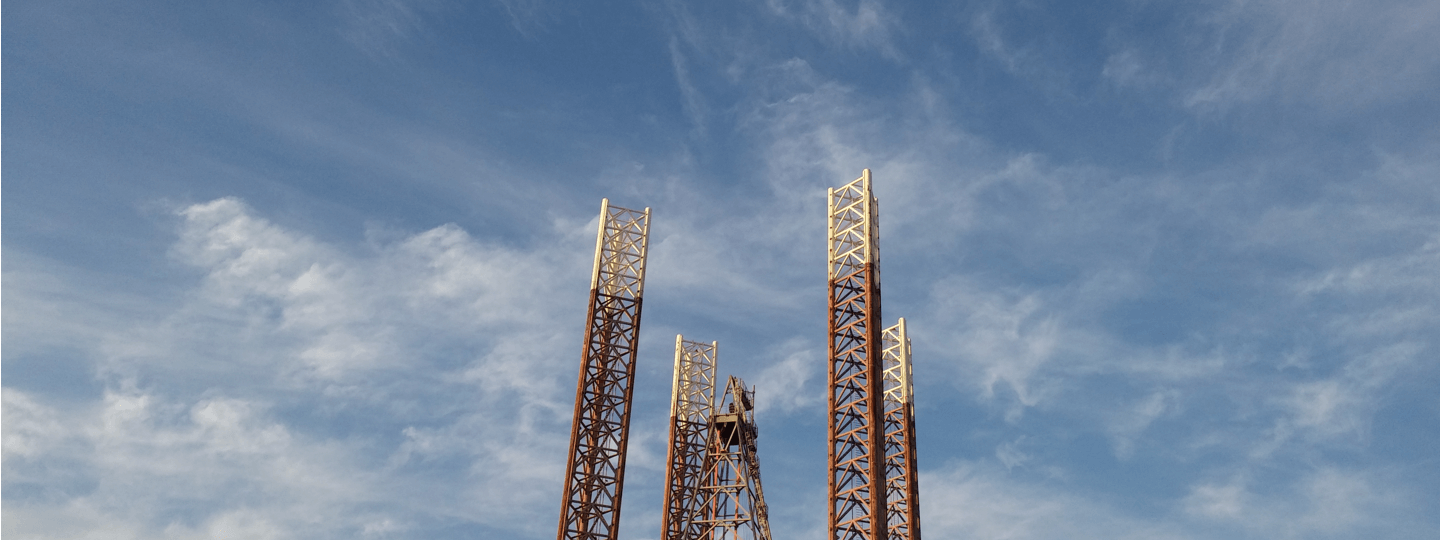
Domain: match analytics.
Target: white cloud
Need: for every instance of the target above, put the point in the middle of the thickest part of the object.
(1338, 54)
(1326, 502)
(1338, 409)
(1126, 426)
(1010, 454)
(377, 26)
(966, 500)
(990, 37)
(145, 458)
(335, 316)
(1002, 341)
(1317, 405)
(526, 16)
(31, 429)
(1399, 289)
(792, 380)
(970, 501)
(1126, 69)
(300, 288)
(869, 25)
(57, 315)
(458, 344)
(1218, 501)
(693, 99)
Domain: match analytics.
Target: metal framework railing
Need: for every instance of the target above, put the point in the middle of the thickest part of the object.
(595, 468)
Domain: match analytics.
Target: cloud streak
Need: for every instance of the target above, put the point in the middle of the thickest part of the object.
(343, 335)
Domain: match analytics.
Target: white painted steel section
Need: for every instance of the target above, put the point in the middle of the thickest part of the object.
(898, 379)
(853, 227)
(599, 242)
(692, 397)
(620, 251)
(675, 382)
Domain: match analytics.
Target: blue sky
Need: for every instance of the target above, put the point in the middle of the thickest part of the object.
(318, 269)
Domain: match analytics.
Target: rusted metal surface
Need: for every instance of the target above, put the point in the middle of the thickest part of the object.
(595, 469)
(857, 483)
(901, 477)
(731, 500)
(692, 403)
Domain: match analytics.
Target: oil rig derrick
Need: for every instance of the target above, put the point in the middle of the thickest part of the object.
(712, 478)
(595, 468)
(857, 465)
(902, 486)
(731, 502)
(692, 403)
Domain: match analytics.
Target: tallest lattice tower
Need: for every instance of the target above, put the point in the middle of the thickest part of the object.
(857, 481)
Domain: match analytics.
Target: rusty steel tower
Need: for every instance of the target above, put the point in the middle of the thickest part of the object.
(901, 478)
(731, 501)
(595, 469)
(857, 483)
(692, 403)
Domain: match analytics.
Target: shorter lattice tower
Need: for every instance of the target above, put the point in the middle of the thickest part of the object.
(902, 483)
(692, 404)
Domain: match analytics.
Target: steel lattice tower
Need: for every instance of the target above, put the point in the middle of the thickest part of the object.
(692, 403)
(857, 483)
(732, 503)
(901, 477)
(595, 469)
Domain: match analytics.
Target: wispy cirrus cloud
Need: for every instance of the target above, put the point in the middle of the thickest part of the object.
(378, 26)
(868, 25)
(989, 502)
(1337, 55)
(1325, 502)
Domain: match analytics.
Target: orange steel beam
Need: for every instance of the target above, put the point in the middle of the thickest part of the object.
(595, 469)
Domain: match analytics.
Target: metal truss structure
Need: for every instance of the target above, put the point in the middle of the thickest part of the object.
(857, 483)
(901, 479)
(692, 404)
(595, 469)
(731, 501)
